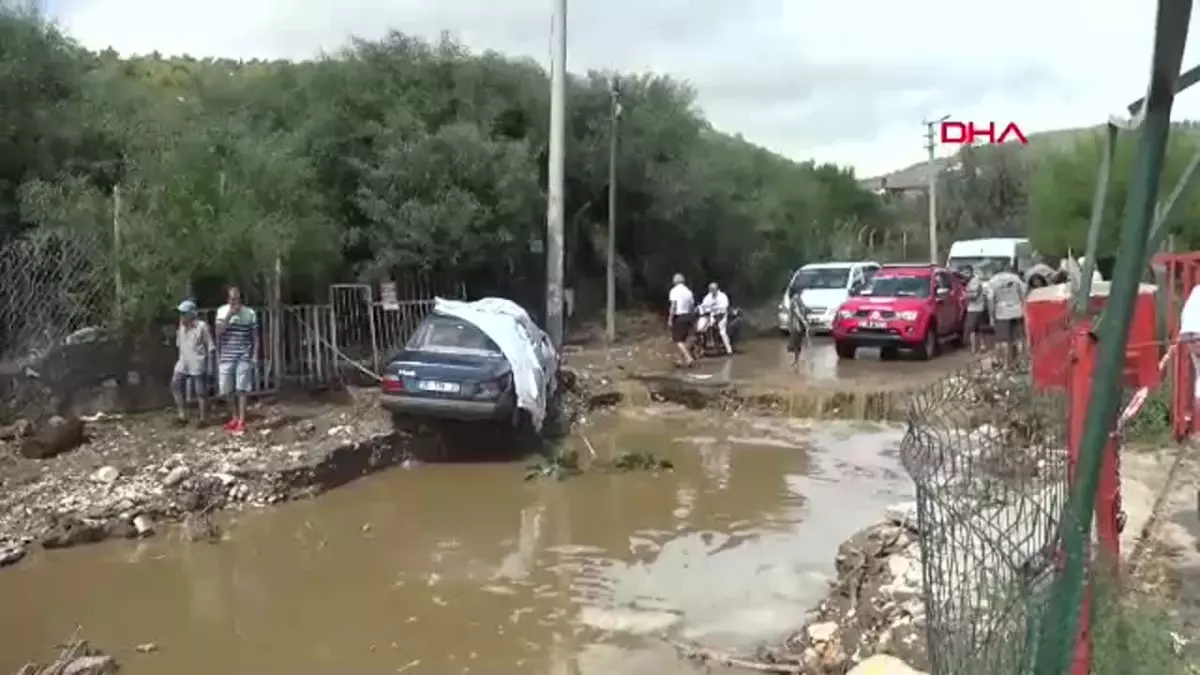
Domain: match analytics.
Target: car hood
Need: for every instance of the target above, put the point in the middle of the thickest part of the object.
(895, 304)
(828, 298)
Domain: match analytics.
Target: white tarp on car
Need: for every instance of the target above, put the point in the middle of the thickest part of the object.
(526, 347)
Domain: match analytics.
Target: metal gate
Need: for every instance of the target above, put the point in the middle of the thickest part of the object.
(353, 330)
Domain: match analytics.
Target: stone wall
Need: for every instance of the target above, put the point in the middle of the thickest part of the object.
(91, 371)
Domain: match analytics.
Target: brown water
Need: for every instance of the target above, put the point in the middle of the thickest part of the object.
(467, 568)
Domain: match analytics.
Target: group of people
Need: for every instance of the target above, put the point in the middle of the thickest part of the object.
(234, 349)
(999, 299)
(685, 319)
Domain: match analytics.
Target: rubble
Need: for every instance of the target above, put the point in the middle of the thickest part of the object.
(136, 473)
(76, 658)
(874, 607)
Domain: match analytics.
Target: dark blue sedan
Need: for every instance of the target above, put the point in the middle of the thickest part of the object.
(450, 370)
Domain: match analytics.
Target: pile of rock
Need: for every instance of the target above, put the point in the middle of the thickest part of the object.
(875, 605)
(76, 658)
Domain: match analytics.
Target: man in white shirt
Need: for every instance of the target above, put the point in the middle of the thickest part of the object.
(715, 307)
(680, 316)
(1189, 338)
(1006, 305)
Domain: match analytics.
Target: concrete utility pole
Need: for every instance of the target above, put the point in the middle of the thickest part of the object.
(610, 310)
(931, 170)
(554, 191)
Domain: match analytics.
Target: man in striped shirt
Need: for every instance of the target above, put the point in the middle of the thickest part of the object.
(237, 350)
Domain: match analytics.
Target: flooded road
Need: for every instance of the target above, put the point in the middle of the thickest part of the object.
(767, 361)
(468, 569)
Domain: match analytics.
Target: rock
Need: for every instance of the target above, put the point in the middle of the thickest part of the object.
(822, 632)
(56, 436)
(71, 531)
(176, 476)
(16, 431)
(903, 514)
(143, 525)
(883, 664)
(11, 552)
(106, 475)
(100, 664)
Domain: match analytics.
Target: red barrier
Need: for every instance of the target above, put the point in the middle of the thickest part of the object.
(1182, 272)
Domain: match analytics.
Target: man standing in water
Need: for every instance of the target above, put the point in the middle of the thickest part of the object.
(237, 349)
(797, 327)
(196, 348)
(680, 308)
(1007, 309)
(976, 310)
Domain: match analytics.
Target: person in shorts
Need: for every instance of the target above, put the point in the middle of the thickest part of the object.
(976, 317)
(237, 351)
(681, 316)
(1006, 299)
(196, 349)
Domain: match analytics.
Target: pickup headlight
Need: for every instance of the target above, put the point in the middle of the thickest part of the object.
(908, 315)
(845, 314)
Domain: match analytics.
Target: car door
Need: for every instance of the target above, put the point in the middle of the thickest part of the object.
(946, 307)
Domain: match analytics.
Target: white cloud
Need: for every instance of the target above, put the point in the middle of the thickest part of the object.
(845, 81)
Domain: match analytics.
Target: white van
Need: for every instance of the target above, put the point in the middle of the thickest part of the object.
(991, 253)
(823, 288)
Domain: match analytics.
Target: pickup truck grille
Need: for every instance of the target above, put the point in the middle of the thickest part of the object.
(883, 313)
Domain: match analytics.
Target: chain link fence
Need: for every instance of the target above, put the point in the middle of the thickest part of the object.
(987, 450)
(59, 287)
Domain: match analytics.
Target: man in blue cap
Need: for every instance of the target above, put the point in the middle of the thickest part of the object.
(196, 350)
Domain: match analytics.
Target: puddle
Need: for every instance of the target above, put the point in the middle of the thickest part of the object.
(467, 568)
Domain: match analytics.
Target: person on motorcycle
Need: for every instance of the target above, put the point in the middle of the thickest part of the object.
(714, 309)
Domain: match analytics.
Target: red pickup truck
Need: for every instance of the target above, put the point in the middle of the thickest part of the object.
(917, 307)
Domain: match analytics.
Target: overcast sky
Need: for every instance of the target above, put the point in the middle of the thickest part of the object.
(847, 81)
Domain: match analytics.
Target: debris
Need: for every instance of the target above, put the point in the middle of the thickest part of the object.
(106, 475)
(147, 648)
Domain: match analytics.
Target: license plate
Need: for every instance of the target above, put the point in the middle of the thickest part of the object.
(441, 387)
(875, 324)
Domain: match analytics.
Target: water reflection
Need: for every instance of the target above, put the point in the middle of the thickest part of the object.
(467, 568)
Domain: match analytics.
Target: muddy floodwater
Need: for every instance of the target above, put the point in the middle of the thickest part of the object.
(467, 568)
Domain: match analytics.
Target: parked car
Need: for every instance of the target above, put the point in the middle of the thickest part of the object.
(473, 362)
(823, 287)
(903, 307)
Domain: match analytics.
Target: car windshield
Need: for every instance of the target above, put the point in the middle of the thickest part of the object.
(817, 278)
(896, 287)
(981, 265)
(450, 334)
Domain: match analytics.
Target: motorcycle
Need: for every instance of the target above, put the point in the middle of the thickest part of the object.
(708, 341)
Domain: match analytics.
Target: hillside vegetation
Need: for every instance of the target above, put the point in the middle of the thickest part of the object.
(391, 157)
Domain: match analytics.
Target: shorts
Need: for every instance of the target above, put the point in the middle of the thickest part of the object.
(1009, 330)
(189, 387)
(235, 376)
(975, 322)
(681, 327)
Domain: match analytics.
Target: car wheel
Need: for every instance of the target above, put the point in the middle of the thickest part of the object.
(845, 350)
(929, 345)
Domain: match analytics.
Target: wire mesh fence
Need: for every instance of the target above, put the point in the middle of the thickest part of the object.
(57, 287)
(987, 450)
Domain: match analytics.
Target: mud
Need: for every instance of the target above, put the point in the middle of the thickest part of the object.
(137, 472)
(468, 568)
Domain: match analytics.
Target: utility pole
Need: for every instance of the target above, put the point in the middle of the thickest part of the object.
(610, 313)
(554, 191)
(118, 283)
(931, 170)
